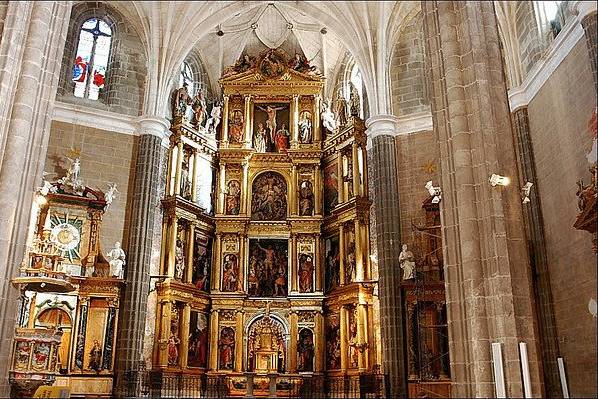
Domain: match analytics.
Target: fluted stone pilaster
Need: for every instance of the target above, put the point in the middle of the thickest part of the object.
(145, 209)
(487, 271)
(534, 228)
(384, 179)
(31, 47)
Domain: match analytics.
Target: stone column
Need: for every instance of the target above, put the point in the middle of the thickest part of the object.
(148, 185)
(534, 228)
(31, 46)
(381, 131)
(487, 271)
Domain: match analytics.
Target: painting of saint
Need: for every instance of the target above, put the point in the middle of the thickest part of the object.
(233, 198)
(173, 350)
(269, 197)
(268, 265)
(230, 273)
(332, 262)
(306, 198)
(330, 188)
(202, 260)
(270, 126)
(350, 260)
(260, 138)
(333, 344)
(198, 340)
(305, 351)
(305, 132)
(226, 349)
(306, 273)
(95, 356)
(236, 126)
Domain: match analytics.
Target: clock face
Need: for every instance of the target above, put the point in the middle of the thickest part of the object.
(66, 235)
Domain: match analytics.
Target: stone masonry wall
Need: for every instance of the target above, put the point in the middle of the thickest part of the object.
(558, 118)
(126, 72)
(417, 159)
(407, 71)
(531, 45)
(106, 157)
(3, 10)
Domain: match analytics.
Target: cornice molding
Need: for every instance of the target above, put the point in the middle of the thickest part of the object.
(95, 118)
(523, 94)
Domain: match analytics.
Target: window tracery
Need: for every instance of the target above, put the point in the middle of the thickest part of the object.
(91, 61)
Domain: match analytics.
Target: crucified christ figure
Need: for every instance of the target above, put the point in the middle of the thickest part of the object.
(271, 112)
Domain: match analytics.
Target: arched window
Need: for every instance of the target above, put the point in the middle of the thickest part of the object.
(93, 51)
(550, 17)
(186, 76)
(357, 81)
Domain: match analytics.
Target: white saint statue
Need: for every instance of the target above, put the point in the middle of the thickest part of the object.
(407, 263)
(111, 193)
(214, 119)
(116, 259)
(74, 169)
(328, 118)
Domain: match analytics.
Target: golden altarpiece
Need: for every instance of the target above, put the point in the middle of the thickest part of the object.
(68, 319)
(276, 279)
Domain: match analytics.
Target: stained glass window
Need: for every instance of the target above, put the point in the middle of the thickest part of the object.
(186, 76)
(91, 61)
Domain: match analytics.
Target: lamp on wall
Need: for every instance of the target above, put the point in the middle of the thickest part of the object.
(499, 180)
(435, 192)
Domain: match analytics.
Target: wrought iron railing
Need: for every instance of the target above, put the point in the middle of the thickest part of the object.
(153, 384)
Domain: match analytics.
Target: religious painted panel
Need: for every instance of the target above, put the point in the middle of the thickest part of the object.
(233, 197)
(333, 342)
(202, 262)
(306, 198)
(230, 264)
(353, 350)
(173, 337)
(330, 187)
(305, 265)
(271, 127)
(198, 340)
(236, 120)
(268, 265)
(350, 260)
(269, 197)
(332, 262)
(305, 350)
(226, 349)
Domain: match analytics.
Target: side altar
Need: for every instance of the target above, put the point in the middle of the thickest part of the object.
(68, 318)
(271, 274)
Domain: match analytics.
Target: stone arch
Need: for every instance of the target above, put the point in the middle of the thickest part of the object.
(269, 197)
(126, 71)
(279, 338)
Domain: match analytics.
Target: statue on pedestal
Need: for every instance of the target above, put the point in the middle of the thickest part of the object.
(180, 101)
(341, 109)
(328, 118)
(354, 100)
(199, 109)
(117, 260)
(214, 119)
(407, 263)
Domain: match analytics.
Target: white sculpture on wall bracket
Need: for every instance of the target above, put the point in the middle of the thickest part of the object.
(117, 261)
(328, 118)
(111, 193)
(407, 263)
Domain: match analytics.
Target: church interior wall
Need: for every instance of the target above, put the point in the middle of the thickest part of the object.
(107, 157)
(558, 118)
(3, 11)
(407, 70)
(126, 71)
(417, 163)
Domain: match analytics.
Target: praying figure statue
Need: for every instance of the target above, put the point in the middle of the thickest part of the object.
(407, 263)
(117, 261)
